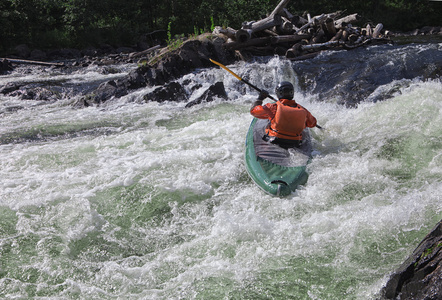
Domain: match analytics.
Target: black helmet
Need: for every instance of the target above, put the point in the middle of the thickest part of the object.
(284, 90)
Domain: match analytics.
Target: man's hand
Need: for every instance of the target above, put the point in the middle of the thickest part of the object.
(263, 94)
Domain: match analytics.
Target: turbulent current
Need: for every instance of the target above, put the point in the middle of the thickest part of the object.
(144, 200)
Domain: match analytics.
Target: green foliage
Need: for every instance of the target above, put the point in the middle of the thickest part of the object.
(176, 43)
(80, 23)
(169, 33)
(427, 252)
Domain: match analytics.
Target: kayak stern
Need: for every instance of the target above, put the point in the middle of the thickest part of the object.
(279, 179)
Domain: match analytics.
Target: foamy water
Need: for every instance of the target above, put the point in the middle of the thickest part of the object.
(152, 201)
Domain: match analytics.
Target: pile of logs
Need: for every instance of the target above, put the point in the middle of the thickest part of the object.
(296, 37)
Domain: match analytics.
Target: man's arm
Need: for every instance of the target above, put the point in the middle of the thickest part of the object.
(310, 120)
(266, 111)
(258, 110)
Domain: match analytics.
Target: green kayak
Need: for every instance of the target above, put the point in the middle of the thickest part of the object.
(276, 170)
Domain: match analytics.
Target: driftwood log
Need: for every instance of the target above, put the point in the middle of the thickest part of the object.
(32, 62)
(145, 52)
(283, 33)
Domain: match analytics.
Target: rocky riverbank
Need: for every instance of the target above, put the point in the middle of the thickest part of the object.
(420, 276)
(158, 65)
(167, 66)
(164, 66)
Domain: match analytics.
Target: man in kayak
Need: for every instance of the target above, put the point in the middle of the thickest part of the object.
(287, 118)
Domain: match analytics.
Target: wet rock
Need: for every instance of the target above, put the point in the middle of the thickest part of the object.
(420, 276)
(172, 91)
(81, 63)
(39, 93)
(192, 55)
(10, 87)
(30, 93)
(215, 91)
(105, 91)
(5, 66)
(192, 86)
(430, 30)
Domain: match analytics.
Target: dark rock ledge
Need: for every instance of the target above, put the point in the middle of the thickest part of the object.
(192, 55)
(420, 276)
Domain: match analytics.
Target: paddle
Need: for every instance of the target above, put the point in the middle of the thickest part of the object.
(245, 81)
(239, 78)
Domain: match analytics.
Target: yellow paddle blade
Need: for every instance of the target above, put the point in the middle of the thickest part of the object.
(225, 68)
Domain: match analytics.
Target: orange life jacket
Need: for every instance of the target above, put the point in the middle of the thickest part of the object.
(288, 123)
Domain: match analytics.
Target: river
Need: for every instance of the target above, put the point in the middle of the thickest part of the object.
(144, 200)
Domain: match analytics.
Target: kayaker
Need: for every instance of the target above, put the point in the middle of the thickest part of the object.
(287, 118)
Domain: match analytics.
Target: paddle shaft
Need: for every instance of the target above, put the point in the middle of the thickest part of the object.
(245, 81)
(239, 78)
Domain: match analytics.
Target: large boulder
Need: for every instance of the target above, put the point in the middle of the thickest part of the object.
(214, 91)
(172, 91)
(10, 87)
(33, 91)
(5, 66)
(105, 91)
(420, 276)
(192, 55)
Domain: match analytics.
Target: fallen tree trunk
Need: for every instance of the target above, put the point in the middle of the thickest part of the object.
(377, 30)
(285, 28)
(32, 62)
(250, 43)
(319, 46)
(289, 38)
(142, 53)
(280, 7)
(229, 32)
(314, 20)
(295, 51)
(294, 36)
(347, 20)
(330, 28)
(245, 33)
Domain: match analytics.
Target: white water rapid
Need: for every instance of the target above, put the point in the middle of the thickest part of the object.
(135, 200)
